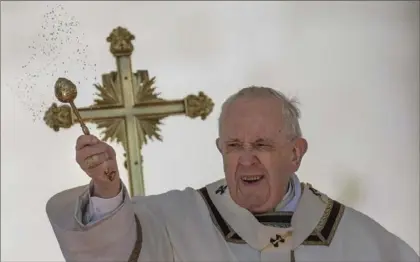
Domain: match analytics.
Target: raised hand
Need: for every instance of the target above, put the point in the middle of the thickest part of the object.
(98, 160)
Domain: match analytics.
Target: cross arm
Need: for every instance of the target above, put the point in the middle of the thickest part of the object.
(61, 116)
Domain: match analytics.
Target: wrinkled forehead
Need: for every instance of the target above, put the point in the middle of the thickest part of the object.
(252, 118)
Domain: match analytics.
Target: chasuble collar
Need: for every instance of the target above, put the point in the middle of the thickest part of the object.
(314, 221)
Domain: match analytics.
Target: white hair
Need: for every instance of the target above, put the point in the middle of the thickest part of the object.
(289, 109)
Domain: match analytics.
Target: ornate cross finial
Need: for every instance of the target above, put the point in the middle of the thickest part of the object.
(199, 106)
(58, 117)
(120, 39)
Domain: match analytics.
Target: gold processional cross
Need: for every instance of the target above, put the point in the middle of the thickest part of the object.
(128, 108)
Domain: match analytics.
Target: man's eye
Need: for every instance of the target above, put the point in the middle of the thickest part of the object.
(262, 145)
(233, 145)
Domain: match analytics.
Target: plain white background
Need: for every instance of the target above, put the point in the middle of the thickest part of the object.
(353, 65)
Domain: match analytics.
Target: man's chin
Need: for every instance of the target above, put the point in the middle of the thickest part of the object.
(260, 209)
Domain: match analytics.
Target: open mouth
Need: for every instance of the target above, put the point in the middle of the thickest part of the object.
(252, 180)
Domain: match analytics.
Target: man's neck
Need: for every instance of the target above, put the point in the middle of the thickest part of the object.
(291, 198)
(290, 193)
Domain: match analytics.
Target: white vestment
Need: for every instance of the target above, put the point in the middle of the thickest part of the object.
(207, 225)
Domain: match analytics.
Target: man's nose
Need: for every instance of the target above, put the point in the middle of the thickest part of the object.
(248, 158)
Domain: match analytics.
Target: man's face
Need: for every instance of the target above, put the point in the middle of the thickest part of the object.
(258, 157)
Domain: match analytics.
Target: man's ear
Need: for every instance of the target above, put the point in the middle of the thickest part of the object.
(218, 145)
(299, 149)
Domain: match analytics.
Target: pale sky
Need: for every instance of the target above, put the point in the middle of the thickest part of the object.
(354, 67)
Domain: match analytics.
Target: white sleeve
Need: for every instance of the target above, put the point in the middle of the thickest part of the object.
(98, 208)
(121, 235)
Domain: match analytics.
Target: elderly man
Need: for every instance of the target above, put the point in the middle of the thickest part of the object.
(259, 212)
